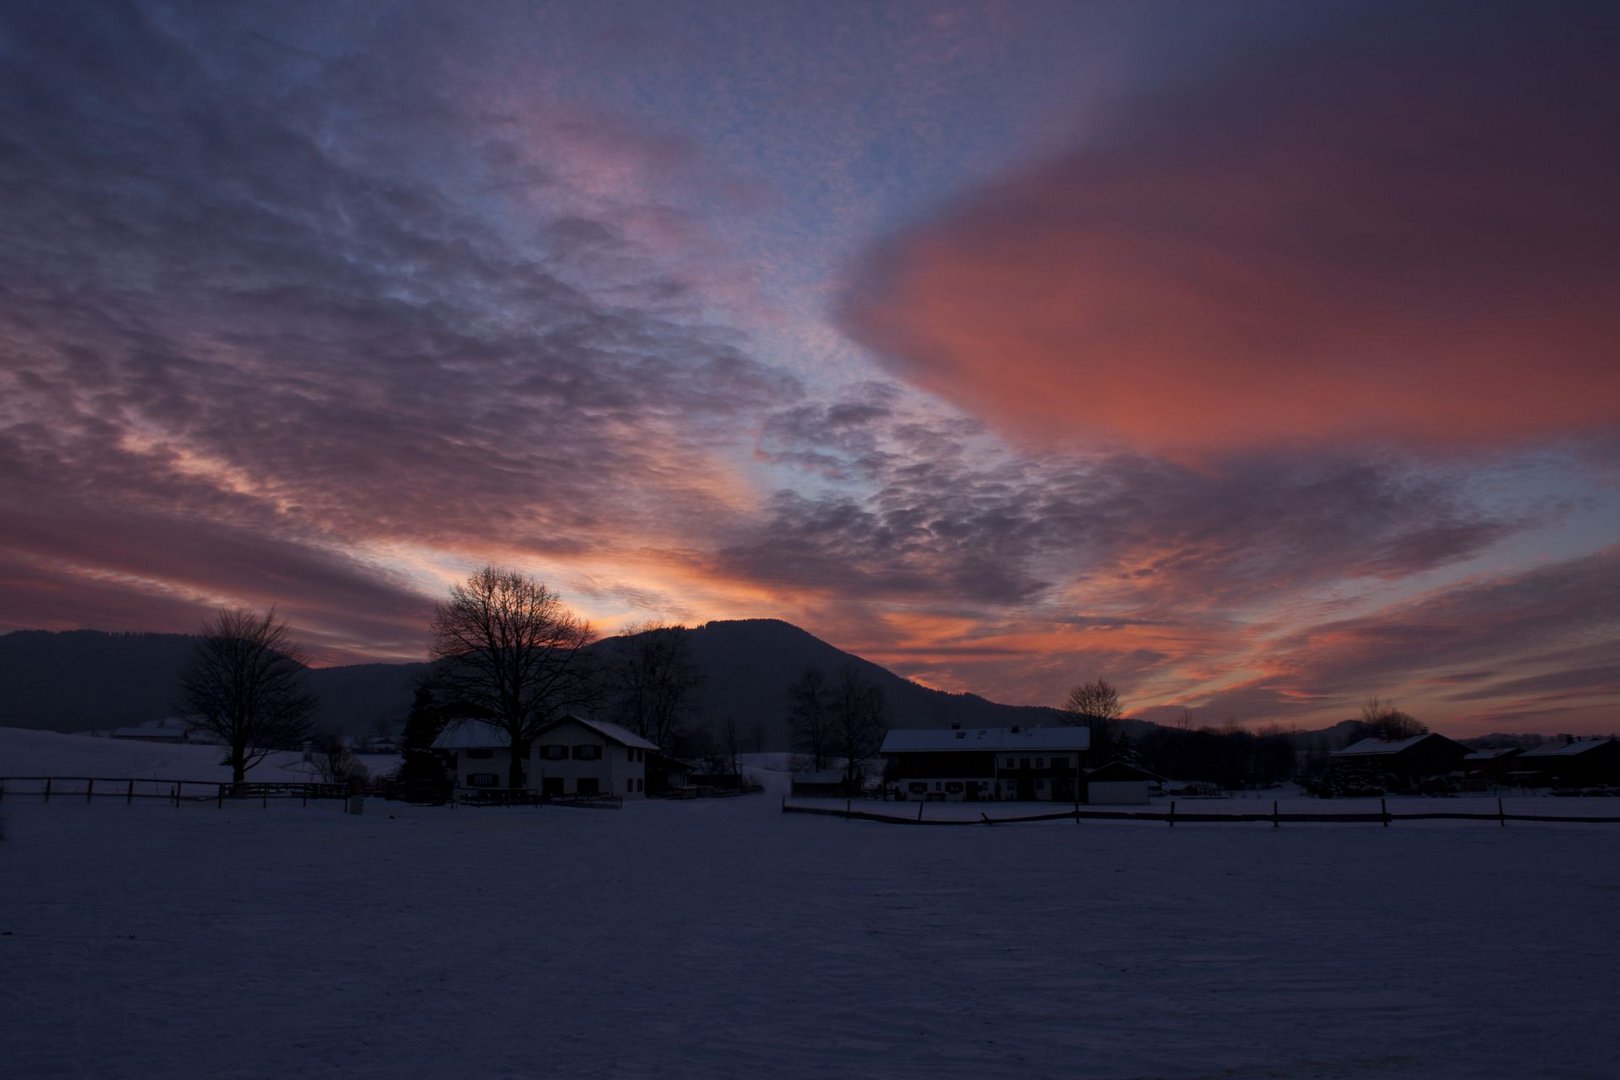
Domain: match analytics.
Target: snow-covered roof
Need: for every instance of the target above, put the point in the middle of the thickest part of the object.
(1569, 749)
(1381, 746)
(621, 735)
(936, 740)
(482, 735)
(1492, 754)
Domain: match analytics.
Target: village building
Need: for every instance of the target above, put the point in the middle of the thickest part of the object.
(1576, 763)
(570, 757)
(1119, 783)
(1400, 764)
(956, 764)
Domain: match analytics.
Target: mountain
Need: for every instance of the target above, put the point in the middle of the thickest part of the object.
(80, 680)
(90, 680)
(749, 664)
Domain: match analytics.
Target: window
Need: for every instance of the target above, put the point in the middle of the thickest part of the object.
(483, 779)
(954, 787)
(1060, 763)
(1040, 763)
(1023, 763)
(480, 754)
(587, 752)
(936, 785)
(918, 787)
(554, 753)
(1009, 763)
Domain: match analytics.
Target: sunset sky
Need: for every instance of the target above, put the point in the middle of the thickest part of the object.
(1258, 357)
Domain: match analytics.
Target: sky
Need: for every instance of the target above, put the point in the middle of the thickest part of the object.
(1256, 357)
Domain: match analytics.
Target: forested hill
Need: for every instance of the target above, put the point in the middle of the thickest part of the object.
(82, 680)
(91, 680)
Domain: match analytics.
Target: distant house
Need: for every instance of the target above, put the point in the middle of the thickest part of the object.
(956, 764)
(1490, 767)
(1577, 763)
(570, 756)
(1401, 764)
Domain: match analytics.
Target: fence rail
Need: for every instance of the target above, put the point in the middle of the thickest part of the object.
(1277, 816)
(129, 789)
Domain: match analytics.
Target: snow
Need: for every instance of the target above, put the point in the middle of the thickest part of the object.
(722, 938)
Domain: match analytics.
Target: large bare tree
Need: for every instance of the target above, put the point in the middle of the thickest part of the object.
(1095, 705)
(810, 717)
(511, 653)
(859, 715)
(244, 684)
(653, 678)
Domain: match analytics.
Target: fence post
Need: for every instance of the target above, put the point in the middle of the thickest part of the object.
(1383, 810)
(846, 807)
(47, 789)
(219, 803)
(129, 795)
(179, 786)
(1275, 823)
(1501, 816)
(264, 798)
(89, 788)
(1172, 818)
(920, 805)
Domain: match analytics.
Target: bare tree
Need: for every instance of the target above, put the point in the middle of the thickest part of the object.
(810, 715)
(1388, 722)
(1096, 705)
(653, 678)
(332, 758)
(859, 717)
(244, 684)
(511, 653)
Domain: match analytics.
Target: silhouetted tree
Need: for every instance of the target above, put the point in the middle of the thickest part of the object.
(810, 716)
(859, 718)
(511, 653)
(421, 772)
(1096, 705)
(244, 684)
(652, 678)
(1385, 721)
(334, 760)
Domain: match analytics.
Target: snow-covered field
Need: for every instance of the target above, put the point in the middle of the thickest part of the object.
(722, 938)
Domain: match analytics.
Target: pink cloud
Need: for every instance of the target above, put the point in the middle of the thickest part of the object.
(1376, 236)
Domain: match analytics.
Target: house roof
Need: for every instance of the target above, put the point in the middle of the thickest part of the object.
(1386, 747)
(1569, 749)
(482, 735)
(1493, 754)
(982, 740)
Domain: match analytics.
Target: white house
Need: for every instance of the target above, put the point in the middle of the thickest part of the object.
(570, 756)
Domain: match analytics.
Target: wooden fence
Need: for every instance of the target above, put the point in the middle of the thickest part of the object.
(1276, 818)
(90, 788)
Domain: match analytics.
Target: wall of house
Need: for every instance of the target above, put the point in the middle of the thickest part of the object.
(1117, 793)
(617, 771)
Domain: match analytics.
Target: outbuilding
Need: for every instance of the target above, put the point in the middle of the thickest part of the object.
(971, 764)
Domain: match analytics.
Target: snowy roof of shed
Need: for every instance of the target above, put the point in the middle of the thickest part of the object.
(1382, 746)
(981, 740)
(1569, 749)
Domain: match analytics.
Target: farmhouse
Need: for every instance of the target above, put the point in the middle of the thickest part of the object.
(1401, 764)
(1576, 763)
(954, 764)
(570, 756)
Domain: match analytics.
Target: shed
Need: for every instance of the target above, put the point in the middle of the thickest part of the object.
(1119, 783)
